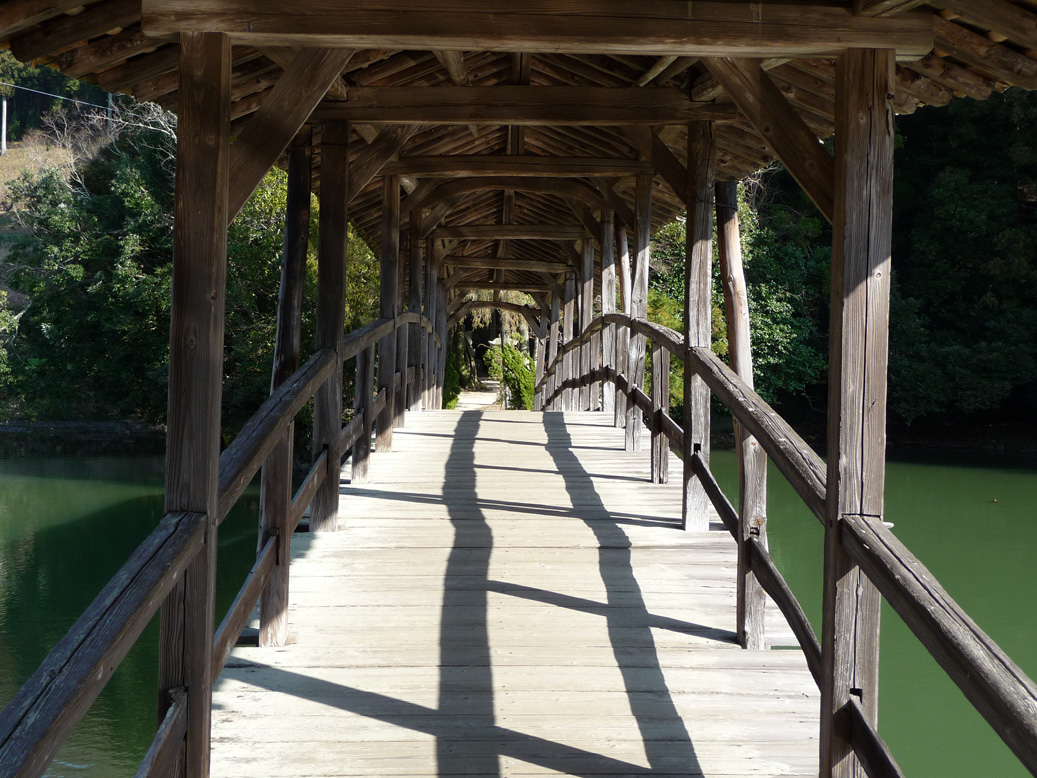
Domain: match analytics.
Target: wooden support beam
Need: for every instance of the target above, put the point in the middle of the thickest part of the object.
(431, 301)
(884, 7)
(331, 301)
(438, 192)
(857, 392)
(1018, 24)
(522, 105)
(275, 496)
(527, 265)
(704, 28)
(1001, 62)
(279, 118)
(785, 132)
(468, 284)
(453, 61)
(752, 461)
(512, 232)
(387, 307)
(362, 404)
(568, 330)
(18, 15)
(660, 406)
(635, 366)
(698, 315)
(552, 350)
(663, 161)
(377, 154)
(414, 297)
(469, 165)
(196, 375)
(608, 304)
(586, 315)
(63, 31)
(623, 334)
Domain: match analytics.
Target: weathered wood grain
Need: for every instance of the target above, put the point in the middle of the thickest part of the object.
(862, 234)
(657, 27)
(196, 374)
(698, 308)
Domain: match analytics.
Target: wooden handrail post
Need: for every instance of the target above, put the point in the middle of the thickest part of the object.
(444, 348)
(698, 314)
(568, 359)
(608, 305)
(639, 304)
(541, 354)
(660, 404)
(586, 314)
(402, 344)
(752, 461)
(275, 499)
(414, 296)
(387, 309)
(363, 395)
(623, 333)
(857, 390)
(331, 302)
(552, 351)
(431, 299)
(195, 375)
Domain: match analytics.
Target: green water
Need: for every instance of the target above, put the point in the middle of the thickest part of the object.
(67, 524)
(975, 528)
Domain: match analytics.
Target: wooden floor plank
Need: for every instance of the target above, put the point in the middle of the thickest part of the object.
(511, 596)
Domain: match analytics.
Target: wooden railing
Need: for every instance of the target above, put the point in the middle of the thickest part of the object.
(992, 682)
(43, 713)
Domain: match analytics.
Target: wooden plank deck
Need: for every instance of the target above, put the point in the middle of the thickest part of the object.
(510, 596)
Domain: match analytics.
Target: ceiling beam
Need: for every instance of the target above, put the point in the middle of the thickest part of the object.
(522, 105)
(783, 129)
(279, 118)
(657, 27)
(513, 232)
(378, 152)
(467, 166)
(449, 193)
(493, 263)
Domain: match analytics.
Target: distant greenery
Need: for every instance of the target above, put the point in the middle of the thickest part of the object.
(515, 371)
(95, 265)
(26, 109)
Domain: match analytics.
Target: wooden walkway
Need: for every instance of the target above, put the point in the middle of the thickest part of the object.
(509, 597)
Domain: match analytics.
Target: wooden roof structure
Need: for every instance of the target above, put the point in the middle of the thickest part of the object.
(500, 91)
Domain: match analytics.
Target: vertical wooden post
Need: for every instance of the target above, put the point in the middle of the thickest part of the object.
(275, 498)
(431, 298)
(331, 302)
(444, 335)
(623, 334)
(402, 347)
(660, 404)
(608, 305)
(552, 350)
(586, 314)
(541, 354)
(857, 389)
(362, 404)
(752, 461)
(414, 303)
(387, 309)
(195, 374)
(698, 314)
(639, 304)
(595, 360)
(568, 361)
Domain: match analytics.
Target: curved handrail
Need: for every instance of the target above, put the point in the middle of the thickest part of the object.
(996, 686)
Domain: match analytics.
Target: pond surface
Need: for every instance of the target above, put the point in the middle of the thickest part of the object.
(66, 525)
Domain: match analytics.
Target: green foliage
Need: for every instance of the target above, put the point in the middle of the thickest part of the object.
(451, 385)
(964, 303)
(515, 371)
(8, 327)
(26, 109)
(96, 265)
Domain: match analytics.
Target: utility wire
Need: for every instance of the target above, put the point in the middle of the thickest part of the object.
(48, 94)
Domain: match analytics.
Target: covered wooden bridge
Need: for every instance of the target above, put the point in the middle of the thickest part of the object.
(479, 145)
